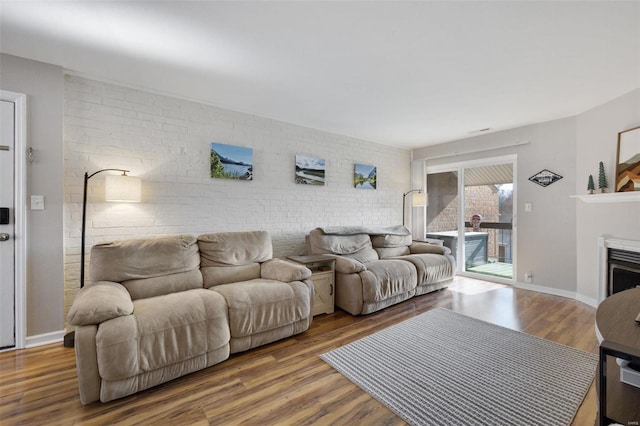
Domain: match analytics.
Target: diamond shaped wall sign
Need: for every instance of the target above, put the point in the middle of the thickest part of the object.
(545, 177)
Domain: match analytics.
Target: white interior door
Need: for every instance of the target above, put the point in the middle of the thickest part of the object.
(7, 223)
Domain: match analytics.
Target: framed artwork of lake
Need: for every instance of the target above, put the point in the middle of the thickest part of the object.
(364, 176)
(310, 170)
(231, 162)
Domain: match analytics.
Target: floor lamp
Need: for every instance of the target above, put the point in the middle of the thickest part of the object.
(117, 188)
(417, 200)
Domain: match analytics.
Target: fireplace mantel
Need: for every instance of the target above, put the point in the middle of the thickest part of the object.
(610, 197)
(618, 243)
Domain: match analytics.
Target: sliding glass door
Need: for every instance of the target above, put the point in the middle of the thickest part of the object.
(471, 209)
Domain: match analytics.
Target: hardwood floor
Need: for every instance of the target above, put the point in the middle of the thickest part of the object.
(285, 382)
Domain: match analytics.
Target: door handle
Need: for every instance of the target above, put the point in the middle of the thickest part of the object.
(4, 237)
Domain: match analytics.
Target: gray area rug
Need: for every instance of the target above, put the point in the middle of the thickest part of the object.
(444, 368)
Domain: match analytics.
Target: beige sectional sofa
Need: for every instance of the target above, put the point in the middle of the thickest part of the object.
(376, 268)
(161, 308)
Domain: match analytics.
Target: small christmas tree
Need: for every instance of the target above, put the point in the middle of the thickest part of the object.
(602, 179)
(590, 185)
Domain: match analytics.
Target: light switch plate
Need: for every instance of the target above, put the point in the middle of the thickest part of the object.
(528, 207)
(37, 202)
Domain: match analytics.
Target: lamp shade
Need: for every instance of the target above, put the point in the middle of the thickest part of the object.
(419, 199)
(122, 188)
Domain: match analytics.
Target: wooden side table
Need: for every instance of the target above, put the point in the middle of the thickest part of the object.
(619, 337)
(323, 277)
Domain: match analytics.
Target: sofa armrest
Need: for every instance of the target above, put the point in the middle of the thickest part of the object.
(280, 270)
(99, 302)
(419, 247)
(345, 265)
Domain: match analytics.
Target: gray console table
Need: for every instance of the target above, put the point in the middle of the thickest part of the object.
(475, 245)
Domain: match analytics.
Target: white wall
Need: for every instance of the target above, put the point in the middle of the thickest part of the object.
(546, 237)
(166, 142)
(597, 139)
(43, 85)
(111, 126)
(558, 241)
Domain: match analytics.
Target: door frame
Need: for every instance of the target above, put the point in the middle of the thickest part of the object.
(20, 211)
(460, 166)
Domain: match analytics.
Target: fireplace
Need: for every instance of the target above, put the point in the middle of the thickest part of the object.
(619, 265)
(624, 270)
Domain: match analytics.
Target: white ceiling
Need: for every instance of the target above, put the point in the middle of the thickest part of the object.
(405, 74)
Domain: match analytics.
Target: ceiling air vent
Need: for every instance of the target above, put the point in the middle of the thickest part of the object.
(473, 132)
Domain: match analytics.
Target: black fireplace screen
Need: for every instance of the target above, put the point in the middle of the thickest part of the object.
(624, 270)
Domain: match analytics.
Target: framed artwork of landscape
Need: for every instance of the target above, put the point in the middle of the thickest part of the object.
(628, 161)
(364, 176)
(231, 162)
(310, 170)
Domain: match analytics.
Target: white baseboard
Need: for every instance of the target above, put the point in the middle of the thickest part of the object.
(45, 339)
(548, 290)
(564, 293)
(587, 300)
(556, 292)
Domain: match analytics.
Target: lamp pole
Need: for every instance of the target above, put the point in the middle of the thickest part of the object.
(84, 215)
(69, 338)
(404, 199)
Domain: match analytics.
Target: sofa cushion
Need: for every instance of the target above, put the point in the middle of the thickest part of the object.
(164, 330)
(431, 268)
(387, 278)
(216, 275)
(280, 270)
(100, 302)
(337, 244)
(235, 248)
(386, 252)
(261, 305)
(364, 256)
(391, 245)
(345, 265)
(144, 258)
(419, 247)
(156, 286)
(391, 240)
(149, 267)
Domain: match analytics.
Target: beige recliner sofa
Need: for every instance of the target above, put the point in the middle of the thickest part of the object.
(379, 267)
(164, 307)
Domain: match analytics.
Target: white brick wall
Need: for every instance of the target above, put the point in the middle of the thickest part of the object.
(166, 142)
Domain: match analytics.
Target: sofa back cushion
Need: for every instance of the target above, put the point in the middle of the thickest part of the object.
(357, 247)
(227, 257)
(391, 245)
(364, 255)
(387, 252)
(389, 241)
(148, 267)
